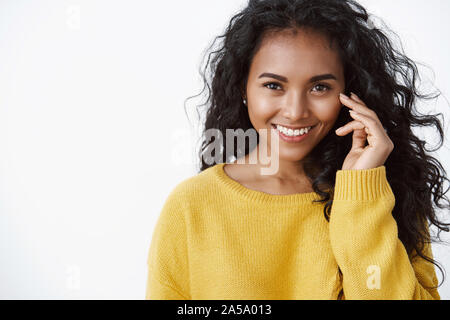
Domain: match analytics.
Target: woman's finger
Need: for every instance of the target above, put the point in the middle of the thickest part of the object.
(349, 127)
(358, 107)
(374, 128)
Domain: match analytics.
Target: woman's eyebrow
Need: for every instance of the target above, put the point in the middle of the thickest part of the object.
(284, 79)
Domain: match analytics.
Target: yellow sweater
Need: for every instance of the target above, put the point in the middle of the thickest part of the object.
(216, 239)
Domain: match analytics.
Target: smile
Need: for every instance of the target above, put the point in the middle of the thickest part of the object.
(291, 135)
(291, 132)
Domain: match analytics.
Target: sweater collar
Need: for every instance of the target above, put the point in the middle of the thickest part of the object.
(250, 194)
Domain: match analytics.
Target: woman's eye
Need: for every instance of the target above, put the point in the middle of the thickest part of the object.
(323, 86)
(272, 84)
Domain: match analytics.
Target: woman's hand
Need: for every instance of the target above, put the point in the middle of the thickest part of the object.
(366, 126)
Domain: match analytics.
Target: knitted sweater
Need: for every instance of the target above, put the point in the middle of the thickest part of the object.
(216, 239)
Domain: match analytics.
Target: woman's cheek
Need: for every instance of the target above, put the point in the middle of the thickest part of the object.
(327, 110)
(261, 110)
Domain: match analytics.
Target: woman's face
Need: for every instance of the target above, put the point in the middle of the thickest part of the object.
(295, 81)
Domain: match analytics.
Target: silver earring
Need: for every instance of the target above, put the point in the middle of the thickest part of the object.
(245, 101)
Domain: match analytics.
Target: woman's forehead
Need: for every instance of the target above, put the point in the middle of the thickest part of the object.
(307, 53)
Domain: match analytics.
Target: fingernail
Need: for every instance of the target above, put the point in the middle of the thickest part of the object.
(343, 96)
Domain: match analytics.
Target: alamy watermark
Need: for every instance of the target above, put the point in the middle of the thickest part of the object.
(374, 278)
(265, 158)
(73, 19)
(73, 277)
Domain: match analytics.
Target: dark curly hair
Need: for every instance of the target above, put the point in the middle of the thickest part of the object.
(380, 74)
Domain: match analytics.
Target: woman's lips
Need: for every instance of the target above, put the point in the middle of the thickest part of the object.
(293, 139)
(293, 128)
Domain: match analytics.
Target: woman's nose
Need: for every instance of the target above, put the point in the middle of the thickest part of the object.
(296, 107)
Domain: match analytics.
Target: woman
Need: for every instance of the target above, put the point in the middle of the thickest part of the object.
(345, 215)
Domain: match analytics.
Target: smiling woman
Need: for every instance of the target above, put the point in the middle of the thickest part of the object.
(310, 77)
(344, 216)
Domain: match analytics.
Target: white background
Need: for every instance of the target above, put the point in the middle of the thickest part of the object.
(94, 136)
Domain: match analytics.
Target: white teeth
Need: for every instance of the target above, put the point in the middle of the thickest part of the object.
(293, 133)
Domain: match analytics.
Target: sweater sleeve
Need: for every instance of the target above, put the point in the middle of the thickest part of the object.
(167, 263)
(364, 240)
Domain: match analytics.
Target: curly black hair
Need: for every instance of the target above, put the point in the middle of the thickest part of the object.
(378, 72)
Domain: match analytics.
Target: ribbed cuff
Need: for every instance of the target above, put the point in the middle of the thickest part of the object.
(362, 185)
